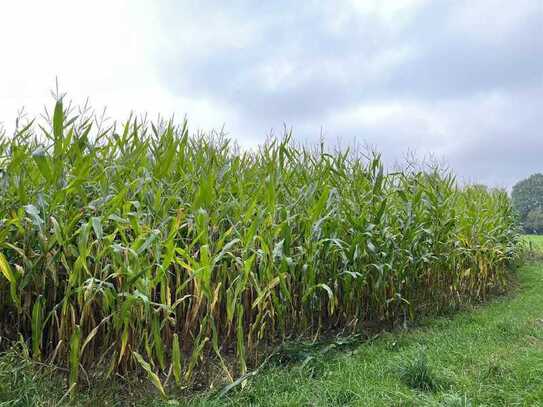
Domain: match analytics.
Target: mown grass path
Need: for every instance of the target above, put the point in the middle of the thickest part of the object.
(489, 356)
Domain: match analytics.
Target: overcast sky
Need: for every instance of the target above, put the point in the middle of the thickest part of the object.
(462, 80)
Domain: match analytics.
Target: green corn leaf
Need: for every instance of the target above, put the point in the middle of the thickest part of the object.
(157, 342)
(176, 359)
(37, 327)
(97, 227)
(152, 375)
(11, 276)
(6, 269)
(42, 161)
(58, 126)
(75, 341)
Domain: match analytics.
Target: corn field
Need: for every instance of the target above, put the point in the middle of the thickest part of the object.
(139, 246)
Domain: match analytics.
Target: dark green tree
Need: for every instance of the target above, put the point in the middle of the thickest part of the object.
(534, 221)
(527, 196)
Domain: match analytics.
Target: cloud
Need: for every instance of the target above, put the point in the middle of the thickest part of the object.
(313, 59)
(460, 79)
(102, 51)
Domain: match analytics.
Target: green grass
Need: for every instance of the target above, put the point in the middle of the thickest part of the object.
(491, 355)
(535, 242)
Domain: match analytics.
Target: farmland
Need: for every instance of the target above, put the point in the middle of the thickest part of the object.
(140, 248)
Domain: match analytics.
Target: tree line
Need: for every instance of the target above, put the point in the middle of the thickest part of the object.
(527, 196)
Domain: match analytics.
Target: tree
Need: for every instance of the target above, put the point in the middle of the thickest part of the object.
(527, 196)
(534, 221)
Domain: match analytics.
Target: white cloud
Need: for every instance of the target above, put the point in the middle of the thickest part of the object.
(392, 12)
(103, 50)
(491, 21)
(460, 79)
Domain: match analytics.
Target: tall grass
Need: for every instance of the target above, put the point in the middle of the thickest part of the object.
(138, 245)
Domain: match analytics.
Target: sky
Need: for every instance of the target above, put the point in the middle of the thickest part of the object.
(461, 81)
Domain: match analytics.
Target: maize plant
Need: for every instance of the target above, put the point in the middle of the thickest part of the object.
(136, 245)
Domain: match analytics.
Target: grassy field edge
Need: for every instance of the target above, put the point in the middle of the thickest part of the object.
(490, 355)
